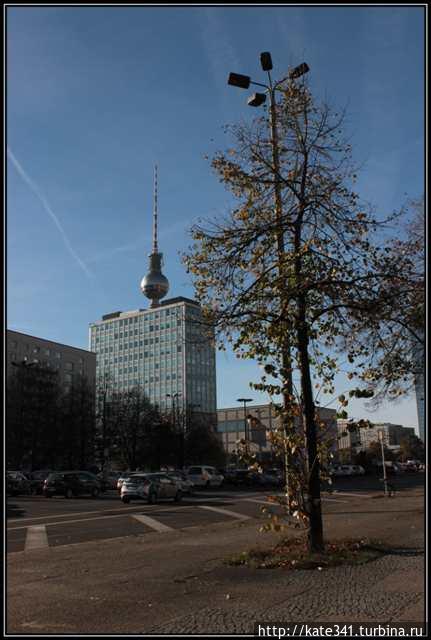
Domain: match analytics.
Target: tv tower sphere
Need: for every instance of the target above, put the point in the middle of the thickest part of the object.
(155, 285)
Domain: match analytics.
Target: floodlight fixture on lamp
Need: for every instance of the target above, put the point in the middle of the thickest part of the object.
(266, 61)
(256, 100)
(299, 71)
(238, 80)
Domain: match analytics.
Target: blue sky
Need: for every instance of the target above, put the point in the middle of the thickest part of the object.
(97, 95)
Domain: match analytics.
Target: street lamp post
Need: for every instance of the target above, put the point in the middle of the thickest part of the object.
(385, 479)
(244, 401)
(175, 410)
(257, 100)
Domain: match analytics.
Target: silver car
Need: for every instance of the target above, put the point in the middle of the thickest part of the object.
(184, 483)
(205, 476)
(151, 487)
(125, 475)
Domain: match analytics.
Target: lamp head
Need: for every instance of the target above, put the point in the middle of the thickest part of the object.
(266, 61)
(299, 71)
(256, 100)
(238, 80)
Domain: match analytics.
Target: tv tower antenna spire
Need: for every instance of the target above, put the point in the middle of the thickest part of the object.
(155, 285)
(155, 247)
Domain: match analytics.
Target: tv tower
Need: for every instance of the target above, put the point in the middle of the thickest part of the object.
(154, 285)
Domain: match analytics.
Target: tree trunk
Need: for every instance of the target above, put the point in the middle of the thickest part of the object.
(314, 507)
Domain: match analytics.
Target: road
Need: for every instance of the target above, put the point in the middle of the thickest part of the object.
(34, 523)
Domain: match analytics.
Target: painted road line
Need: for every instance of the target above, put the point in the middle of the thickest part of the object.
(233, 514)
(352, 494)
(82, 513)
(212, 499)
(36, 538)
(270, 502)
(152, 523)
(60, 522)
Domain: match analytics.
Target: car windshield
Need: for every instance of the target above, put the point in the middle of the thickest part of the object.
(40, 475)
(137, 479)
(56, 476)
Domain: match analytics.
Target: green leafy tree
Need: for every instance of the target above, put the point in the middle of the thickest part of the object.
(290, 275)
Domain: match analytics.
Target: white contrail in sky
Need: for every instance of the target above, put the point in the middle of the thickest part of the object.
(33, 186)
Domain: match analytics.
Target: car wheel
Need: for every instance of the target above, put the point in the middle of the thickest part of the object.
(152, 498)
(69, 493)
(178, 496)
(125, 500)
(95, 492)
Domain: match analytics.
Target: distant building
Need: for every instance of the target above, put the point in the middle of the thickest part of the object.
(70, 362)
(392, 434)
(347, 440)
(167, 350)
(163, 350)
(262, 420)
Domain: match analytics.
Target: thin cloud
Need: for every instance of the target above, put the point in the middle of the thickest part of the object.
(33, 186)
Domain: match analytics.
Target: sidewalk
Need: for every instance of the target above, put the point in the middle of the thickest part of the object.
(177, 582)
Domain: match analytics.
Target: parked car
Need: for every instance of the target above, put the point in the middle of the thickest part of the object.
(347, 470)
(184, 483)
(17, 483)
(151, 487)
(205, 476)
(125, 475)
(238, 477)
(71, 484)
(229, 475)
(110, 480)
(37, 478)
(276, 476)
(392, 468)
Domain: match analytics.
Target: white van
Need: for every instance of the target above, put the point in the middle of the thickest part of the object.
(205, 476)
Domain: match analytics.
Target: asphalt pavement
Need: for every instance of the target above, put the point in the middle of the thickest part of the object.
(35, 522)
(156, 580)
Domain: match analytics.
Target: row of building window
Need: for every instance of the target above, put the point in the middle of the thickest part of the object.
(41, 350)
(121, 347)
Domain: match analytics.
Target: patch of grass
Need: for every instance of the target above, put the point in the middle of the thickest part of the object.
(293, 554)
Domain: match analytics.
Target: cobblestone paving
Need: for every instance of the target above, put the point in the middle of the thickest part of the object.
(340, 593)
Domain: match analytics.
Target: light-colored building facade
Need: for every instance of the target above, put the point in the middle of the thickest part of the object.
(392, 434)
(165, 351)
(68, 361)
(231, 426)
(347, 440)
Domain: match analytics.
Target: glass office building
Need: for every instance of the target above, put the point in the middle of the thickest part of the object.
(164, 350)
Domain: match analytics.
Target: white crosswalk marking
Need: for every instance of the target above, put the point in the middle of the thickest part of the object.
(233, 514)
(152, 523)
(36, 538)
(269, 502)
(353, 494)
